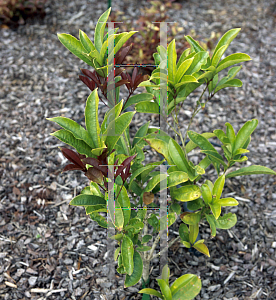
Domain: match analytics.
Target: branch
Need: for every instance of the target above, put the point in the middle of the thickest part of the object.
(163, 250)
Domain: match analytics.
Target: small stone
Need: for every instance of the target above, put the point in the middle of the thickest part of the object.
(68, 261)
(32, 280)
(213, 288)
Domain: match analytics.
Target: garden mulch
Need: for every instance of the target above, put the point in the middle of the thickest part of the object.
(50, 250)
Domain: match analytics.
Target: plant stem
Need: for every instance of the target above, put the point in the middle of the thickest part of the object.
(163, 250)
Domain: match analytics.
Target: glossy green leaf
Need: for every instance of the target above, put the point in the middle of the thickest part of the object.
(146, 238)
(154, 181)
(214, 156)
(86, 42)
(175, 207)
(154, 222)
(112, 114)
(74, 46)
(86, 200)
(117, 126)
(194, 44)
(211, 220)
(201, 248)
(95, 208)
(119, 216)
(121, 39)
(232, 60)
(251, 170)
(226, 39)
(138, 98)
(186, 287)
(161, 147)
(68, 138)
(184, 56)
(229, 83)
(182, 69)
(101, 220)
(186, 193)
(226, 221)
(230, 133)
(176, 178)
(91, 118)
(116, 253)
(147, 107)
(99, 30)
(127, 254)
(192, 218)
(172, 56)
(244, 133)
(137, 271)
(165, 289)
(141, 132)
(191, 145)
(77, 130)
(218, 187)
(166, 274)
(206, 193)
(178, 156)
(153, 292)
(199, 60)
(216, 58)
(143, 248)
(184, 232)
(185, 80)
(227, 202)
(216, 210)
(195, 204)
(124, 201)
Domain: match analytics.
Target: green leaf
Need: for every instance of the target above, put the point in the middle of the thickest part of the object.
(116, 253)
(91, 118)
(86, 42)
(218, 187)
(216, 210)
(182, 69)
(171, 218)
(232, 60)
(124, 201)
(186, 287)
(166, 274)
(226, 221)
(143, 248)
(68, 138)
(186, 244)
(154, 222)
(214, 156)
(75, 47)
(117, 126)
(229, 83)
(146, 238)
(147, 107)
(186, 193)
(99, 30)
(165, 289)
(191, 145)
(184, 232)
(86, 200)
(112, 114)
(194, 44)
(192, 218)
(227, 202)
(175, 207)
(161, 147)
(101, 220)
(211, 220)
(195, 204)
(121, 39)
(127, 254)
(119, 216)
(172, 56)
(137, 271)
(206, 193)
(138, 98)
(184, 80)
(251, 170)
(244, 133)
(77, 130)
(226, 39)
(153, 292)
(230, 134)
(154, 181)
(176, 178)
(178, 156)
(141, 132)
(199, 60)
(216, 58)
(201, 248)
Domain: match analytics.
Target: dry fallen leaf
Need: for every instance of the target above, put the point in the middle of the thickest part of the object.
(148, 198)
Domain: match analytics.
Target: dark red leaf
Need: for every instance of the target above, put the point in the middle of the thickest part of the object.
(120, 58)
(89, 83)
(134, 75)
(71, 167)
(123, 75)
(124, 164)
(121, 82)
(73, 157)
(94, 175)
(91, 75)
(140, 79)
(118, 71)
(96, 164)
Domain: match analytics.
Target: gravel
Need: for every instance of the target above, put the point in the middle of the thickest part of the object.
(50, 250)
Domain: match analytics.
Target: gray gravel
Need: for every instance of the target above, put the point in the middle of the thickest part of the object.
(49, 250)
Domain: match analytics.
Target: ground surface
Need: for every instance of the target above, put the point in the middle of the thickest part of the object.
(46, 244)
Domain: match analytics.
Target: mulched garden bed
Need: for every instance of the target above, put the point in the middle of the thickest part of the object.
(49, 250)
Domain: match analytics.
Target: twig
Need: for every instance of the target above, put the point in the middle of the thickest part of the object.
(163, 250)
